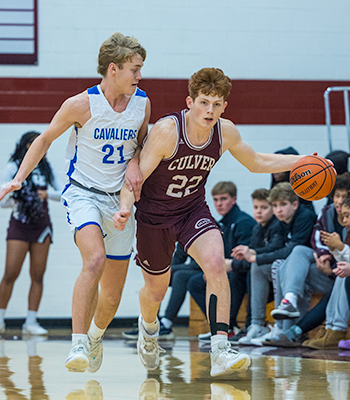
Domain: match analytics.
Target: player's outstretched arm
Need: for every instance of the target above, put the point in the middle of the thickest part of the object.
(247, 156)
(72, 111)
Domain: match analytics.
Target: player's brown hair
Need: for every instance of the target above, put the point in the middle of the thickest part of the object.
(282, 191)
(260, 194)
(223, 188)
(210, 82)
(118, 49)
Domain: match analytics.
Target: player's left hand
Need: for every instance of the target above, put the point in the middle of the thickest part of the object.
(133, 178)
(120, 219)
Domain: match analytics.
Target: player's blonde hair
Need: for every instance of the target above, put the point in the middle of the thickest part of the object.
(282, 191)
(210, 82)
(118, 49)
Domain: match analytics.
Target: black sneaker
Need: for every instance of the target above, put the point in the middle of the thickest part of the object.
(131, 335)
(285, 311)
(238, 335)
(164, 334)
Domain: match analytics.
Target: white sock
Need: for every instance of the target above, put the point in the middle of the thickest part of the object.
(2, 316)
(216, 339)
(151, 328)
(79, 337)
(166, 322)
(31, 317)
(95, 333)
(292, 298)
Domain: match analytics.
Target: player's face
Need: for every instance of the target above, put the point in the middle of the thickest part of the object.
(262, 211)
(338, 198)
(206, 110)
(224, 202)
(284, 210)
(129, 76)
(346, 215)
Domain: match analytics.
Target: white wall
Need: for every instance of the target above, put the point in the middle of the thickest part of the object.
(250, 39)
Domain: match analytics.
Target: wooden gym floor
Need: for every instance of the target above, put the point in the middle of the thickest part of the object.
(33, 369)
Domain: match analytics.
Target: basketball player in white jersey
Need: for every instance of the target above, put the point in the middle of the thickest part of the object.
(109, 122)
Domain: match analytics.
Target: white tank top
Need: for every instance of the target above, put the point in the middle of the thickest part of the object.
(98, 153)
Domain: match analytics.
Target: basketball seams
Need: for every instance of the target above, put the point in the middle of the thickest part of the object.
(323, 184)
(311, 177)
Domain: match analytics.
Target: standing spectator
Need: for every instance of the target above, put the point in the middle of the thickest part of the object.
(30, 231)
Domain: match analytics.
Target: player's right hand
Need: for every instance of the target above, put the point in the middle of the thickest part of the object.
(120, 219)
(10, 187)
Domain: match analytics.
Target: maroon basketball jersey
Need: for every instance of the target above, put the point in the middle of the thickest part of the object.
(177, 185)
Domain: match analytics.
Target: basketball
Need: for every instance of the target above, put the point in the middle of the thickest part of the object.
(312, 178)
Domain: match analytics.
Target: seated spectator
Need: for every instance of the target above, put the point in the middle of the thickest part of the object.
(265, 238)
(284, 177)
(340, 163)
(299, 276)
(337, 311)
(295, 228)
(183, 267)
(237, 228)
(340, 160)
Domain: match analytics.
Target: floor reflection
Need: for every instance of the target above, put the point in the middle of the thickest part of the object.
(35, 373)
(34, 370)
(91, 391)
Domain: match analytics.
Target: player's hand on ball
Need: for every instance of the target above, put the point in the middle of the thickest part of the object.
(120, 219)
(10, 187)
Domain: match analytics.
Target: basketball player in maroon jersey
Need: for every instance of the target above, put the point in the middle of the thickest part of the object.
(178, 155)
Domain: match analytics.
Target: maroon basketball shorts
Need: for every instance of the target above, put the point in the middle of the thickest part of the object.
(32, 233)
(156, 245)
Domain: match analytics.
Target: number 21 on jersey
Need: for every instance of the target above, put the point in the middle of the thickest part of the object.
(109, 150)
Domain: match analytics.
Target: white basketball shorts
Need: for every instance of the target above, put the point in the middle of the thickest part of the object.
(87, 208)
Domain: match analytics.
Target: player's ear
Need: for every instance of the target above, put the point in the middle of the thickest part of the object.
(225, 105)
(189, 102)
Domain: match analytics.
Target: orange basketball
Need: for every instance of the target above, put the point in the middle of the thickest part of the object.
(312, 178)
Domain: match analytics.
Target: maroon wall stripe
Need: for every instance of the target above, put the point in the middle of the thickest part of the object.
(267, 102)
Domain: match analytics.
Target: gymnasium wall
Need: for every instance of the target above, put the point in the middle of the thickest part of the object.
(280, 55)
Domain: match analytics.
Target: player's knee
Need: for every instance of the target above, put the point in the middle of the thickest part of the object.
(114, 298)
(95, 264)
(214, 267)
(156, 296)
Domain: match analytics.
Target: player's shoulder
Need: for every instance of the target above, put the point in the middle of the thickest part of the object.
(230, 133)
(163, 135)
(77, 103)
(228, 126)
(165, 126)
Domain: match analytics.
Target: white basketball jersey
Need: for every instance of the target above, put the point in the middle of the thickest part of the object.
(98, 153)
